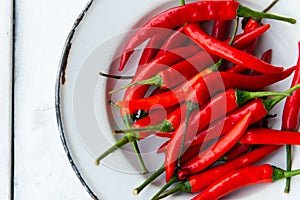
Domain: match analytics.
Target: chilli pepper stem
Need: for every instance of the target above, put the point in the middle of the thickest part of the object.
(244, 96)
(243, 11)
(190, 107)
(288, 167)
(182, 187)
(279, 173)
(241, 98)
(173, 180)
(139, 155)
(127, 120)
(165, 126)
(270, 103)
(182, 2)
(156, 174)
(125, 140)
(155, 80)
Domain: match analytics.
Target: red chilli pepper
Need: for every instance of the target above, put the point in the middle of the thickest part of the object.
(208, 157)
(198, 182)
(270, 136)
(177, 39)
(185, 69)
(150, 50)
(251, 25)
(231, 181)
(218, 106)
(204, 86)
(291, 115)
(220, 29)
(193, 12)
(236, 151)
(258, 107)
(171, 57)
(222, 50)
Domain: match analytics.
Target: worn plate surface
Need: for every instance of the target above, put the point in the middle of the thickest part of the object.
(85, 119)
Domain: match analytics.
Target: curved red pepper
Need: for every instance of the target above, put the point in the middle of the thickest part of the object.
(150, 50)
(182, 71)
(192, 12)
(222, 50)
(209, 156)
(201, 87)
(236, 151)
(231, 181)
(218, 106)
(175, 40)
(291, 113)
(291, 116)
(270, 136)
(178, 16)
(151, 69)
(198, 182)
(220, 29)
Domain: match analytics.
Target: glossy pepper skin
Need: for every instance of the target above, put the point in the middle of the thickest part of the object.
(231, 181)
(236, 151)
(202, 87)
(198, 182)
(291, 113)
(150, 50)
(146, 71)
(217, 107)
(220, 29)
(175, 40)
(291, 116)
(209, 156)
(178, 16)
(222, 50)
(184, 70)
(270, 136)
(192, 12)
(251, 25)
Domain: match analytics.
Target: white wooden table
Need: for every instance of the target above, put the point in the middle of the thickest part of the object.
(33, 164)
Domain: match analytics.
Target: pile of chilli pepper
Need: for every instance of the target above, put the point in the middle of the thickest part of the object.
(202, 88)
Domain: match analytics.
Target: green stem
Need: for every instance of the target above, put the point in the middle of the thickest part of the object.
(190, 107)
(125, 140)
(165, 126)
(280, 173)
(288, 167)
(182, 2)
(139, 156)
(155, 80)
(173, 180)
(244, 96)
(270, 103)
(151, 178)
(182, 187)
(243, 11)
(127, 119)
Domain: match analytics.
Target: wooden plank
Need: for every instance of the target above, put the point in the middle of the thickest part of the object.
(42, 170)
(6, 15)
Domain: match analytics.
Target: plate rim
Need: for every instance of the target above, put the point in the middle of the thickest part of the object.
(60, 81)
